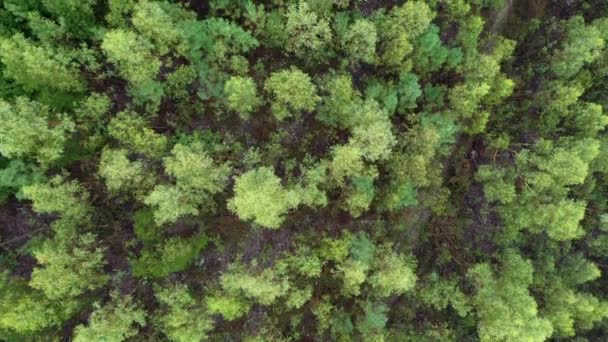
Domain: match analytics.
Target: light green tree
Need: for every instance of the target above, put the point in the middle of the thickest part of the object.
(360, 41)
(182, 317)
(259, 196)
(505, 308)
(37, 67)
(69, 268)
(121, 174)
(152, 22)
(291, 91)
(116, 321)
(308, 35)
(132, 55)
(134, 132)
(30, 129)
(241, 95)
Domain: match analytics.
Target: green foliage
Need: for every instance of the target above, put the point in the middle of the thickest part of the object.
(134, 132)
(27, 312)
(433, 179)
(173, 255)
(38, 67)
(30, 129)
(360, 41)
(292, 92)
(132, 55)
(259, 196)
(393, 274)
(582, 45)
(265, 287)
(308, 35)
(241, 95)
(116, 321)
(15, 175)
(182, 318)
(152, 22)
(121, 174)
(505, 308)
(58, 196)
(197, 179)
(230, 307)
(69, 267)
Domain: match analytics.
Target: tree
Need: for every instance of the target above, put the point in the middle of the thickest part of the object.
(259, 196)
(583, 45)
(116, 321)
(197, 177)
(403, 24)
(229, 306)
(152, 22)
(392, 273)
(172, 255)
(360, 41)
(30, 129)
(194, 169)
(503, 304)
(292, 91)
(340, 102)
(241, 95)
(121, 174)
(265, 287)
(134, 132)
(132, 55)
(182, 318)
(69, 267)
(58, 196)
(26, 311)
(37, 67)
(308, 35)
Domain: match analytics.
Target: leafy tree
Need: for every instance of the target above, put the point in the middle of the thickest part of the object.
(264, 288)
(152, 22)
(170, 203)
(583, 45)
(69, 267)
(27, 312)
(347, 162)
(17, 174)
(292, 91)
(229, 306)
(75, 17)
(341, 100)
(393, 273)
(194, 169)
(403, 24)
(259, 196)
(132, 55)
(30, 129)
(360, 41)
(118, 11)
(114, 322)
(38, 67)
(241, 95)
(182, 317)
(172, 255)
(197, 179)
(308, 35)
(439, 293)
(58, 196)
(134, 132)
(503, 304)
(121, 174)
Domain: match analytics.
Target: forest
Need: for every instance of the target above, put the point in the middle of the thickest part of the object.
(303, 170)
